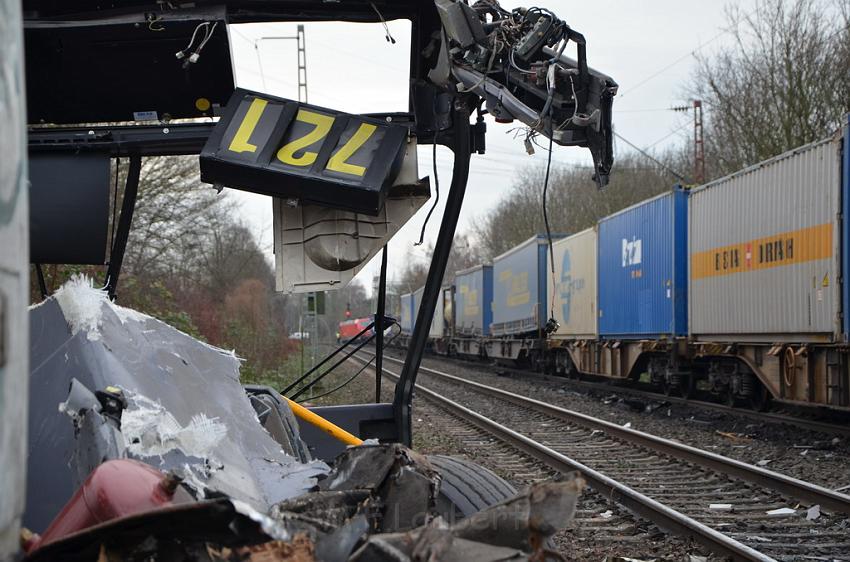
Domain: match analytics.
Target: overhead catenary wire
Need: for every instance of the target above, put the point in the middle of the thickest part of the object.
(690, 53)
(668, 135)
(664, 166)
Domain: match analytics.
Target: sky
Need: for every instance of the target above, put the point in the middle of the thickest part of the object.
(647, 47)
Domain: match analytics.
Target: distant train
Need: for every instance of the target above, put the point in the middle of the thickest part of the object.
(351, 329)
(738, 287)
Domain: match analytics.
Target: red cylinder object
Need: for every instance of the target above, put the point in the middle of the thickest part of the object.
(116, 488)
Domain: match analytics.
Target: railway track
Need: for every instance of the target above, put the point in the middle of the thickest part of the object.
(717, 501)
(611, 387)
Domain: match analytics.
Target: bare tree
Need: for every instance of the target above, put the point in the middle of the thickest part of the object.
(573, 201)
(174, 215)
(785, 82)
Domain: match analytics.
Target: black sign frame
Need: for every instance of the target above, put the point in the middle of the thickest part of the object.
(243, 152)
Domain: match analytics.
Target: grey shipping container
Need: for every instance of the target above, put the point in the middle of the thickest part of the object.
(435, 330)
(574, 289)
(765, 250)
(417, 300)
(474, 301)
(519, 288)
(407, 314)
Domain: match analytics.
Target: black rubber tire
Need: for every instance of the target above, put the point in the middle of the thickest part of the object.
(467, 487)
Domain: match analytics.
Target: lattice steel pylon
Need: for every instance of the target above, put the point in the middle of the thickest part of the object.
(301, 40)
(699, 148)
(302, 64)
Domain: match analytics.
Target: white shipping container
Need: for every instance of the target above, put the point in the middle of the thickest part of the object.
(764, 250)
(574, 289)
(437, 324)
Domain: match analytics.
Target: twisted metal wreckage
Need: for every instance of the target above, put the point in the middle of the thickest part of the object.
(142, 441)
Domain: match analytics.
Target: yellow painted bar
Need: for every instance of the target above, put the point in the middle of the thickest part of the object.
(323, 424)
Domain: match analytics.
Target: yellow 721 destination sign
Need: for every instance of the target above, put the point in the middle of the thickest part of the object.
(285, 148)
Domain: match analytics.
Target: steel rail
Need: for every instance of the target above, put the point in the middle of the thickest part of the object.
(787, 485)
(666, 518)
(769, 417)
(607, 386)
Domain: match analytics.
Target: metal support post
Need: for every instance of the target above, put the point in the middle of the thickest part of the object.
(379, 326)
(461, 146)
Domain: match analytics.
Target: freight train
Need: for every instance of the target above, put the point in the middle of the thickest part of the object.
(737, 287)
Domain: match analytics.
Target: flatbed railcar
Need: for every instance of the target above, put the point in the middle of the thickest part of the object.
(736, 288)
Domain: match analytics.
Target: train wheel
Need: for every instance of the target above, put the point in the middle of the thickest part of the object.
(759, 399)
(729, 398)
(687, 386)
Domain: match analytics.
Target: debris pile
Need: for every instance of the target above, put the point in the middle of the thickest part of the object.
(157, 427)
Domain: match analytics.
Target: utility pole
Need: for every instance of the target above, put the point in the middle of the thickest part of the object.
(699, 146)
(312, 316)
(699, 150)
(302, 63)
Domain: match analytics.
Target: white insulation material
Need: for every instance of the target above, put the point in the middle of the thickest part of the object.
(151, 431)
(82, 304)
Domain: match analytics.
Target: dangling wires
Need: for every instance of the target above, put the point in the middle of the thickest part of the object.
(355, 375)
(546, 224)
(436, 188)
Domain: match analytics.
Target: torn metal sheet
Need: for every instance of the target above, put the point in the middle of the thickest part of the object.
(517, 529)
(404, 481)
(186, 410)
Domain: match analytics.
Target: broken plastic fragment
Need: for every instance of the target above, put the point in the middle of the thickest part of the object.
(813, 513)
(269, 526)
(720, 506)
(782, 512)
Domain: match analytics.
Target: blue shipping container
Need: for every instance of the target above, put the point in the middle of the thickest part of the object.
(845, 230)
(474, 301)
(643, 273)
(407, 315)
(519, 288)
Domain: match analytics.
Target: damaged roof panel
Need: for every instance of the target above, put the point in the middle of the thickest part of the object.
(185, 411)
